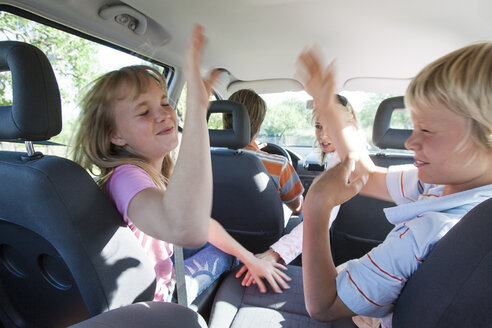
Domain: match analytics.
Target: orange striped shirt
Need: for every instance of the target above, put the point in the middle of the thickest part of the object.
(283, 174)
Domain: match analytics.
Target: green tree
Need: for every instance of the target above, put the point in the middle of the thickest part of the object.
(287, 117)
(71, 58)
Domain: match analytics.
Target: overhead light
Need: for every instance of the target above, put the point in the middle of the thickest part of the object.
(126, 16)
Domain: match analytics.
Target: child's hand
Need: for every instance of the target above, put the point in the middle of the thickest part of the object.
(318, 81)
(333, 186)
(258, 268)
(198, 90)
(269, 256)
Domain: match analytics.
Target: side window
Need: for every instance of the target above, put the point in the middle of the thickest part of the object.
(76, 62)
(214, 121)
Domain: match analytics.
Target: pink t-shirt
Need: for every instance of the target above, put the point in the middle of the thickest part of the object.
(125, 182)
(289, 246)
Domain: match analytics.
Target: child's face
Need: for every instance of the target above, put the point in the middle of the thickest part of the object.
(437, 134)
(145, 126)
(323, 138)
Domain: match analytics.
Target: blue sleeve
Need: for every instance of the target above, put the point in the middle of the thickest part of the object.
(370, 285)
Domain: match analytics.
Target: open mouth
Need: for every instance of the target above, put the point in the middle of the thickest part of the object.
(418, 163)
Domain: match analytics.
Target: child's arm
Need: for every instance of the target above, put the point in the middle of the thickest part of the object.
(257, 267)
(180, 215)
(319, 274)
(287, 248)
(319, 83)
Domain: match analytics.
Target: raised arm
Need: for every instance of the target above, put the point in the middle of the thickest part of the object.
(179, 215)
(319, 82)
(319, 274)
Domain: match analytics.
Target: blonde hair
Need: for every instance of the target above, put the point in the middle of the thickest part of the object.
(347, 106)
(255, 105)
(92, 147)
(462, 82)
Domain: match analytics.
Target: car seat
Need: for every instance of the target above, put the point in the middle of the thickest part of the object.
(236, 306)
(452, 288)
(65, 252)
(361, 224)
(146, 315)
(245, 198)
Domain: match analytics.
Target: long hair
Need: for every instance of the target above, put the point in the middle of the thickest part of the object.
(345, 104)
(92, 147)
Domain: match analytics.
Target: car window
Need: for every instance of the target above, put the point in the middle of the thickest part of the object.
(288, 121)
(76, 62)
(215, 119)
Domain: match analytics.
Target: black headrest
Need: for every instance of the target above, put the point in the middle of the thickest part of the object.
(35, 113)
(237, 137)
(382, 135)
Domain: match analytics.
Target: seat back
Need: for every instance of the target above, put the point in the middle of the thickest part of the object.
(452, 288)
(245, 199)
(65, 253)
(361, 224)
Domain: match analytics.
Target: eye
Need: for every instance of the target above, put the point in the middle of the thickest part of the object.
(144, 113)
(165, 105)
(318, 126)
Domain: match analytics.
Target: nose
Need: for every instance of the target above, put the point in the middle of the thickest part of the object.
(413, 142)
(164, 113)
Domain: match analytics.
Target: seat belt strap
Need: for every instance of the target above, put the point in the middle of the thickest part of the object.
(180, 276)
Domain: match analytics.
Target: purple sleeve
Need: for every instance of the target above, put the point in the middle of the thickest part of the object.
(125, 182)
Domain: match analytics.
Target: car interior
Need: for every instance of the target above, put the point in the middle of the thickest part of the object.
(68, 259)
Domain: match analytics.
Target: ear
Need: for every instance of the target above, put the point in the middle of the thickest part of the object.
(117, 140)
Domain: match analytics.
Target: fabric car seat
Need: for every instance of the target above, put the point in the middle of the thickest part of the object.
(65, 252)
(452, 288)
(146, 315)
(245, 198)
(236, 306)
(361, 224)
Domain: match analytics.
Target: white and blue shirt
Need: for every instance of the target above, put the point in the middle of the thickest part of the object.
(371, 285)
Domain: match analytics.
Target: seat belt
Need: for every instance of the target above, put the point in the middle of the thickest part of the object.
(180, 276)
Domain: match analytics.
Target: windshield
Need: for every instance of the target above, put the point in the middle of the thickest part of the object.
(288, 121)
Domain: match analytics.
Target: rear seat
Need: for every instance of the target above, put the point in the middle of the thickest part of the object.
(360, 225)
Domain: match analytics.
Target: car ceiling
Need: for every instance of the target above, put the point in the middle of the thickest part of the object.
(377, 45)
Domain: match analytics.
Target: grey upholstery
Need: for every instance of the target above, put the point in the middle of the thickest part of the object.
(383, 136)
(36, 111)
(237, 137)
(245, 199)
(146, 315)
(361, 224)
(236, 306)
(452, 286)
(65, 253)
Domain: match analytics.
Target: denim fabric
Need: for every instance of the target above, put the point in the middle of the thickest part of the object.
(203, 266)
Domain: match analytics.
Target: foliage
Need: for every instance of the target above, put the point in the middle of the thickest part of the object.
(287, 117)
(71, 58)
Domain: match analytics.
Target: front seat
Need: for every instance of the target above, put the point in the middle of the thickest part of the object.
(65, 252)
(452, 288)
(245, 199)
(361, 224)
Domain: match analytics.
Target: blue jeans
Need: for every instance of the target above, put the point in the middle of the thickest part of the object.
(203, 266)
